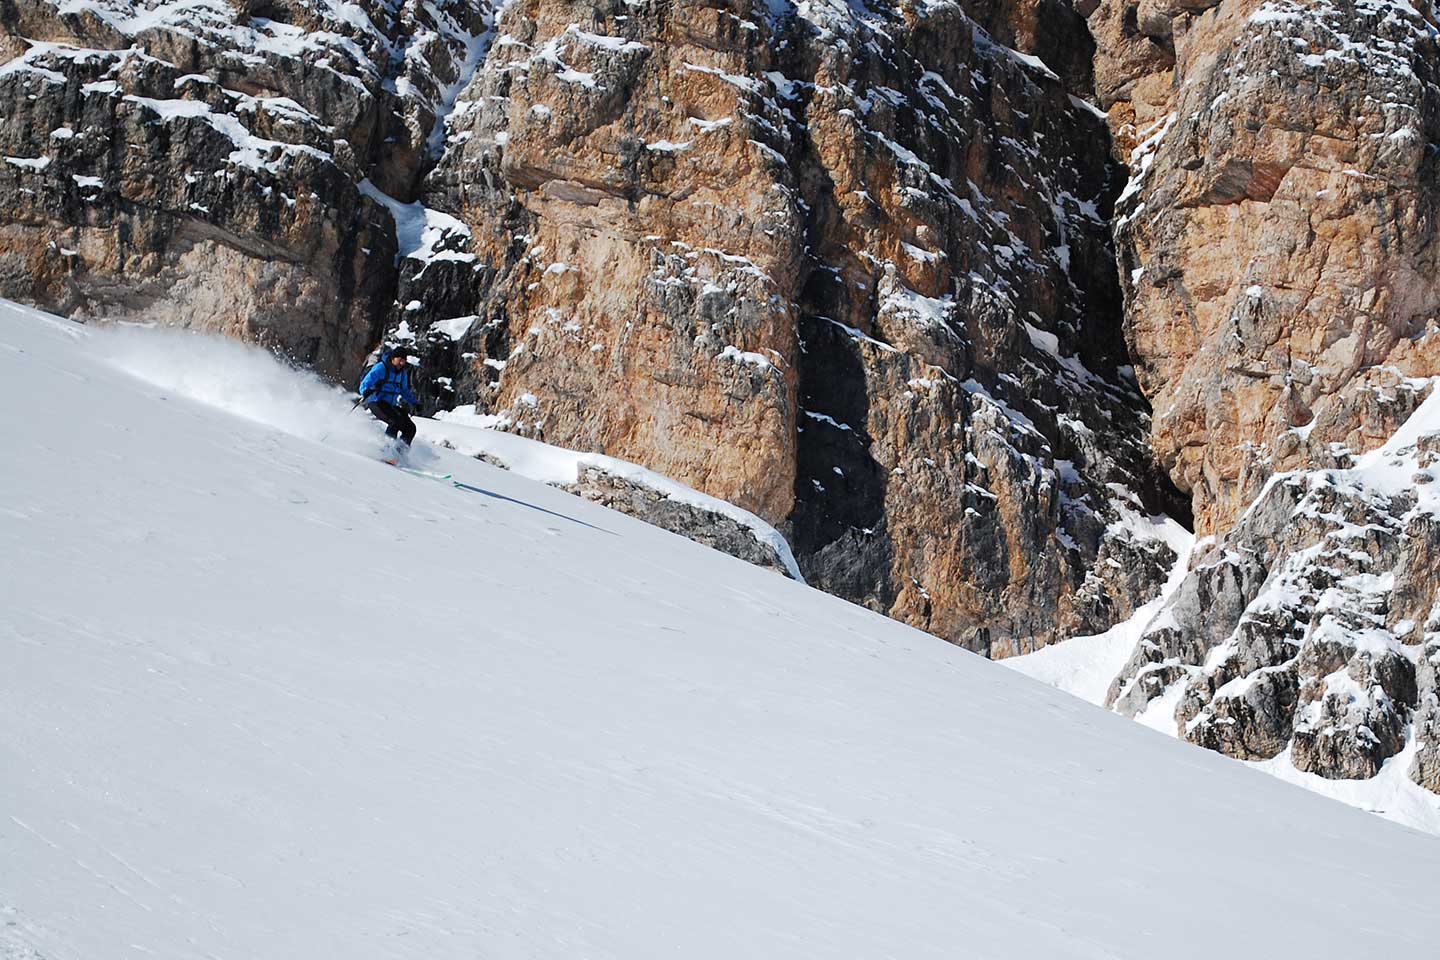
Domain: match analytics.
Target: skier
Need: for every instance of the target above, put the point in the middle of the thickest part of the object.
(385, 391)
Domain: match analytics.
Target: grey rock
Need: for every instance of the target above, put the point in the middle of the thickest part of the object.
(1425, 769)
(689, 520)
(1300, 628)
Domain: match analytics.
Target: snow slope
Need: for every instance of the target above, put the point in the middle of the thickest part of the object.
(265, 697)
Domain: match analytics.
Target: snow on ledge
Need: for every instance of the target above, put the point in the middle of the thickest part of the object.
(421, 232)
(474, 434)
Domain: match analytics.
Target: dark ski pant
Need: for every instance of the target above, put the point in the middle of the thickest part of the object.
(397, 422)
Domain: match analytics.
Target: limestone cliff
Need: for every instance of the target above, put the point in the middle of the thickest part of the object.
(848, 270)
(205, 164)
(1277, 251)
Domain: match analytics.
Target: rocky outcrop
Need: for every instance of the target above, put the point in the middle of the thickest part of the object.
(1276, 240)
(621, 486)
(1301, 628)
(690, 520)
(819, 266)
(1426, 768)
(203, 165)
(1311, 626)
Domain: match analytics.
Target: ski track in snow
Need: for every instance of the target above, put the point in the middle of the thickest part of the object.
(265, 697)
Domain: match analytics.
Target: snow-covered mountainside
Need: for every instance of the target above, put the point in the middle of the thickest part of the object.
(878, 295)
(264, 696)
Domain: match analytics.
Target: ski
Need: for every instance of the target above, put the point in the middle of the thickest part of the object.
(425, 473)
(429, 475)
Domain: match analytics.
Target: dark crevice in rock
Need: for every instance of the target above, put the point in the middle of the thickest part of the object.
(838, 524)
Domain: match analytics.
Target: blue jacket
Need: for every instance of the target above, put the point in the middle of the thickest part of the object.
(384, 384)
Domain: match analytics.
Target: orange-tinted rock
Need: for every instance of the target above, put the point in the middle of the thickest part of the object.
(823, 268)
(1277, 249)
(1276, 241)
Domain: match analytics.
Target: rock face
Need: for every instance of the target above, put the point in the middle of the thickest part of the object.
(1276, 240)
(1303, 626)
(820, 266)
(203, 165)
(847, 268)
(1276, 246)
(1426, 768)
(689, 520)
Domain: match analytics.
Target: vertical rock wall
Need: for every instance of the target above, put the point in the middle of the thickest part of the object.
(1277, 254)
(849, 270)
(847, 267)
(202, 164)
